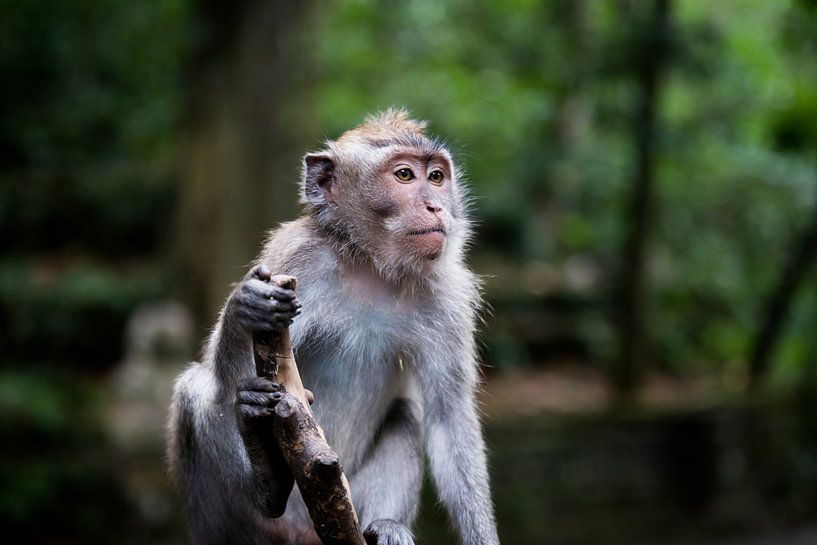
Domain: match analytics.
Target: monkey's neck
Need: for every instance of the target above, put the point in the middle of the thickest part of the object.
(363, 281)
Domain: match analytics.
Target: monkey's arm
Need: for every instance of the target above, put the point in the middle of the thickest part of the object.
(387, 505)
(455, 448)
(255, 305)
(224, 422)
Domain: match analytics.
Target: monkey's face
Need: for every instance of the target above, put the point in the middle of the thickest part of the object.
(412, 199)
(387, 193)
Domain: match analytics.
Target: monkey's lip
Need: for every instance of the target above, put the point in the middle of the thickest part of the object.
(428, 231)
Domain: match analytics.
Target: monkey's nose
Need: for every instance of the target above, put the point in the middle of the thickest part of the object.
(430, 202)
(432, 205)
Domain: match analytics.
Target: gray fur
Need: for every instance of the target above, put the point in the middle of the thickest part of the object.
(386, 346)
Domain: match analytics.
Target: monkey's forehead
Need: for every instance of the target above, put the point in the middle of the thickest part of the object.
(379, 148)
(409, 140)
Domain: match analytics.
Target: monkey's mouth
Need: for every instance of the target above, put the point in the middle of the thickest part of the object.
(428, 231)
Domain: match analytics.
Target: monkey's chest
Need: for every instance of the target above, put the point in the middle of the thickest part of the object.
(356, 373)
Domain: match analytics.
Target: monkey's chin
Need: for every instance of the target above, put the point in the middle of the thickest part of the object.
(428, 245)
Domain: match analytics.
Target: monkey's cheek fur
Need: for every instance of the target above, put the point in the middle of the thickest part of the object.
(428, 245)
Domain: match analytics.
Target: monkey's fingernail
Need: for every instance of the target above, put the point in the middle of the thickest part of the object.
(263, 273)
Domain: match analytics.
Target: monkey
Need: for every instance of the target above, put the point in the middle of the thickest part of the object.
(383, 331)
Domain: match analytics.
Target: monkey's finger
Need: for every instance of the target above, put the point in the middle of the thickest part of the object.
(264, 316)
(257, 307)
(270, 309)
(260, 384)
(255, 287)
(282, 306)
(247, 411)
(282, 294)
(286, 318)
(275, 309)
(260, 399)
(249, 296)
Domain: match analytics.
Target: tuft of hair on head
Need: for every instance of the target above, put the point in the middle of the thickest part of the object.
(386, 124)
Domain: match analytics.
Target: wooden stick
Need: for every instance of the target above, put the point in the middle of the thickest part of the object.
(314, 464)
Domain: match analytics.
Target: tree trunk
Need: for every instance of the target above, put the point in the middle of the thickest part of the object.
(241, 160)
(573, 119)
(634, 292)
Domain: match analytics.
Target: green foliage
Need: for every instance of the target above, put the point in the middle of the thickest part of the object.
(89, 108)
(88, 116)
(88, 113)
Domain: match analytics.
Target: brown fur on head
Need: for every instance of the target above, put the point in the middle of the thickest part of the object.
(368, 214)
(384, 126)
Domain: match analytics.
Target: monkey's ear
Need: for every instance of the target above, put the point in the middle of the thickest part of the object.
(318, 177)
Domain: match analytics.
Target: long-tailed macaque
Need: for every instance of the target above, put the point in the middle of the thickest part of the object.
(383, 332)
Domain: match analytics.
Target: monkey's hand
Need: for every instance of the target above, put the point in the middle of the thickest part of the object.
(257, 305)
(387, 532)
(255, 402)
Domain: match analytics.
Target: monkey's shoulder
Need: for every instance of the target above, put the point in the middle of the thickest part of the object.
(292, 247)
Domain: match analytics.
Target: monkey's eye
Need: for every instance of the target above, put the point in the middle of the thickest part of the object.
(404, 174)
(436, 177)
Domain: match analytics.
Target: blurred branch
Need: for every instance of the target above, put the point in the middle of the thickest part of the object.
(776, 308)
(632, 307)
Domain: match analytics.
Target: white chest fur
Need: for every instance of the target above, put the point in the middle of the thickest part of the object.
(361, 363)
